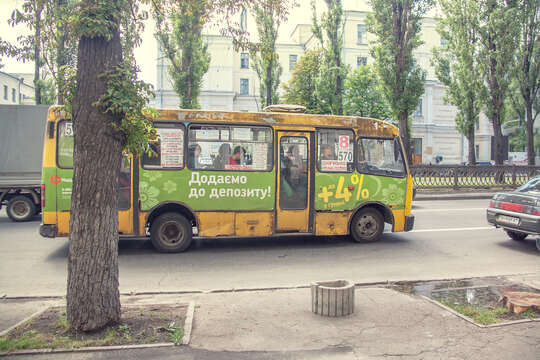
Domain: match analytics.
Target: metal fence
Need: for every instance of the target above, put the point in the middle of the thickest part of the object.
(471, 177)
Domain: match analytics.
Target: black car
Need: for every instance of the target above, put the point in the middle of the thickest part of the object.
(518, 211)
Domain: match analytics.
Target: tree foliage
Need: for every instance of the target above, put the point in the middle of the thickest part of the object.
(457, 67)
(329, 31)
(49, 44)
(397, 25)
(300, 89)
(498, 34)
(266, 59)
(527, 69)
(362, 95)
(179, 25)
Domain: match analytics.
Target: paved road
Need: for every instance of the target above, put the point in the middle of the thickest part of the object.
(451, 240)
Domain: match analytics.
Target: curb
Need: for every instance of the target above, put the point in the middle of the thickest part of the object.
(188, 323)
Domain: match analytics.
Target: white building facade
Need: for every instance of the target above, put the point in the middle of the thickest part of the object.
(14, 90)
(232, 84)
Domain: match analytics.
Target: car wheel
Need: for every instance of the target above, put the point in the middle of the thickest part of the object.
(21, 208)
(517, 236)
(367, 225)
(170, 233)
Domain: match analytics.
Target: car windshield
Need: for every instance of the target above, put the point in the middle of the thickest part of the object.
(532, 185)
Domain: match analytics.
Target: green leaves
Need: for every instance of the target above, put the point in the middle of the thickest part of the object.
(98, 18)
(362, 95)
(179, 26)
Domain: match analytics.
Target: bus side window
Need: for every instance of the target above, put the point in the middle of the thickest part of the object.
(335, 150)
(168, 150)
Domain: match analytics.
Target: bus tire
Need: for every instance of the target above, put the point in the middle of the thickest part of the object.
(170, 233)
(21, 208)
(367, 225)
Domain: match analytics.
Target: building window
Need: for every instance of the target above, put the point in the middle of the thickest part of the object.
(243, 20)
(244, 61)
(292, 61)
(361, 31)
(444, 41)
(244, 86)
(5, 92)
(361, 60)
(418, 111)
(13, 95)
(477, 125)
(476, 151)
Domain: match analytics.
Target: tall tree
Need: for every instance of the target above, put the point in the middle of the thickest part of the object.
(397, 25)
(300, 89)
(266, 59)
(527, 69)
(498, 34)
(108, 119)
(48, 45)
(329, 31)
(457, 67)
(362, 95)
(179, 25)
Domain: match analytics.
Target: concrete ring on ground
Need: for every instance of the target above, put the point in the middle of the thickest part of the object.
(332, 298)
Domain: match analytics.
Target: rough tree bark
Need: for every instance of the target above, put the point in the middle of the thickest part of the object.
(530, 133)
(269, 83)
(470, 139)
(93, 299)
(404, 133)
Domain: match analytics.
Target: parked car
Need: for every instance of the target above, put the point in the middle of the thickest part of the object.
(517, 212)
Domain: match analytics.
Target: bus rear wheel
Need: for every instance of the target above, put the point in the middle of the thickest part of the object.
(21, 208)
(170, 233)
(367, 225)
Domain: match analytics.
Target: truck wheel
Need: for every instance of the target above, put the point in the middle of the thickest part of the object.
(517, 236)
(20, 208)
(171, 232)
(367, 225)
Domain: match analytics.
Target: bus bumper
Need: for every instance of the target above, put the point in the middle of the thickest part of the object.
(48, 230)
(409, 223)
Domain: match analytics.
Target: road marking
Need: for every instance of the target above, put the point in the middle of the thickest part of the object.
(455, 229)
(463, 209)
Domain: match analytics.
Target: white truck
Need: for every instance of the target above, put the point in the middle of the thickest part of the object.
(22, 129)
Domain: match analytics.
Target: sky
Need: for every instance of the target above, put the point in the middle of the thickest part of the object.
(146, 54)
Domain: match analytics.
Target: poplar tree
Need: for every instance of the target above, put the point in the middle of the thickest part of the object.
(265, 56)
(498, 34)
(179, 25)
(527, 70)
(397, 25)
(457, 67)
(329, 31)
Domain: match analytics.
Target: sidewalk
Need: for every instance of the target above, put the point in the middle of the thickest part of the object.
(278, 324)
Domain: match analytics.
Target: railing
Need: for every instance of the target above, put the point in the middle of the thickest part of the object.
(471, 177)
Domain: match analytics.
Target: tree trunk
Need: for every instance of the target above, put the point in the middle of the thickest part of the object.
(472, 152)
(269, 83)
(531, 154)
(498, 139)
(93, 299)
(404, 133)
(37, 53)
(339, 86)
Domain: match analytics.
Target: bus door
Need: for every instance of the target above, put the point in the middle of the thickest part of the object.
(125, 197)
(294, 182)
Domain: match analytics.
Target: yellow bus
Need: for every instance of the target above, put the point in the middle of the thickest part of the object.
(238, 174)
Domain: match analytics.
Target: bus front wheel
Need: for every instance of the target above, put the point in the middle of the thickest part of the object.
(367, 225)
(171, 232)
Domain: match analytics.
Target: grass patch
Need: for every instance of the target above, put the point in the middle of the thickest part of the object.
(138, 325)
(489, 316)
